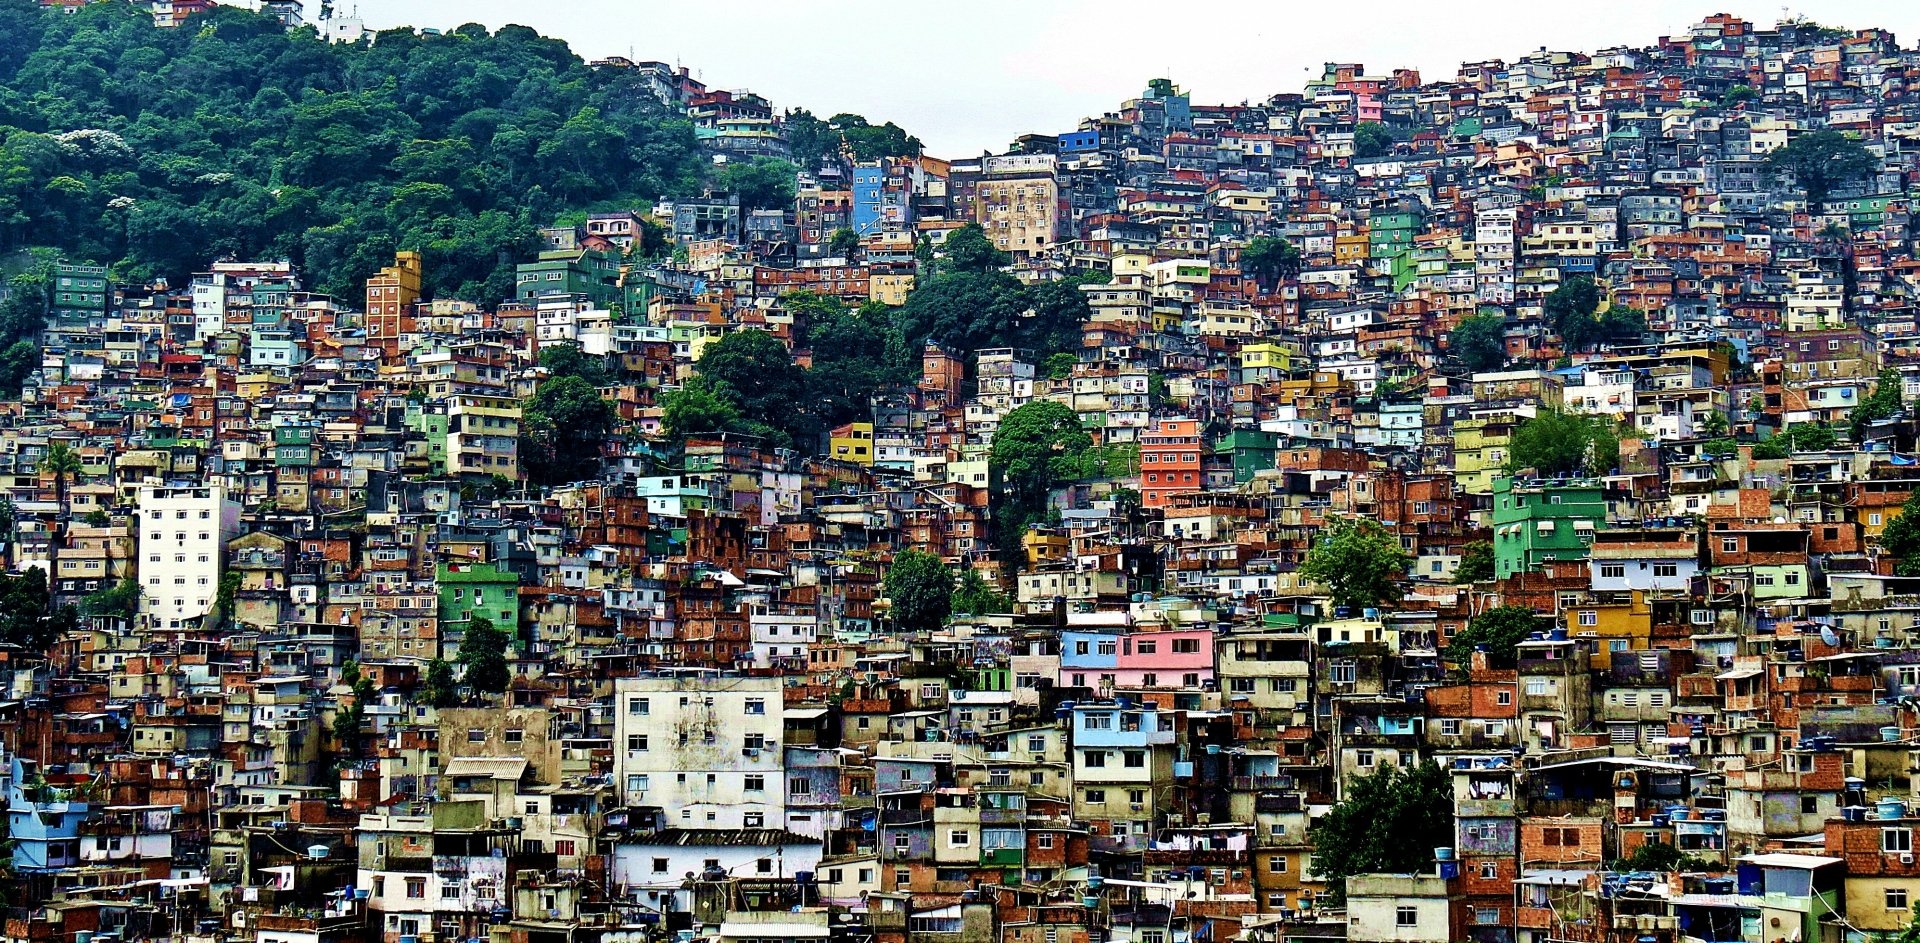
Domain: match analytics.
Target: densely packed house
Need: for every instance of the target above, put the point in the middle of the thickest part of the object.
(1619, 397)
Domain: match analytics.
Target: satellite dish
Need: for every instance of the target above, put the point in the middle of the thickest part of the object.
(1829, 637)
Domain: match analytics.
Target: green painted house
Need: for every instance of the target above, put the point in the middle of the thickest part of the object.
(470, 589)
(78, 295)
(1537, 521)
(1253, 451)
(585, 273)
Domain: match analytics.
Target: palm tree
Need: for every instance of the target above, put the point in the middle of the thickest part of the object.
(64, 463)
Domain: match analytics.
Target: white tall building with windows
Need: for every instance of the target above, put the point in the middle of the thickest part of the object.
(183, 532)
(704, 747)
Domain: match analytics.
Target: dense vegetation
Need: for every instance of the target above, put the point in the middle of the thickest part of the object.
(151, 149)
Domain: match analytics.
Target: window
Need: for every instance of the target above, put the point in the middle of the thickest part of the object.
(1277, 864)
(637, 782)
(637, 743)
(1134, 759)
(1096, 796)
(753, 820)
(1729, 545)
(417, 888)
(959, 838)
(1897, 840)
(1589, 617)
(1095, 759)
(1363, 759)
(1613, 571)
(756, 705)
(514, 736)
(756, 783)
(1148, 647)
(799, 786)
(1490, 870)
(1036, 744)
(1896, 898)
(1809, 804)
(1538, 687)
(449, 891)
(1486, 916)
(1503, 698)
(1186, 646)
(1406, 916)
(1043, 841)
(1450, 727)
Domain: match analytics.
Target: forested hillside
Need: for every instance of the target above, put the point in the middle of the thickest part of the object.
(153, 149)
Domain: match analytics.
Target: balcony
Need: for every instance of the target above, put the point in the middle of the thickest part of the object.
(1002, 858)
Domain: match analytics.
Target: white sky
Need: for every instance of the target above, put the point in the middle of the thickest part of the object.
(972, 75)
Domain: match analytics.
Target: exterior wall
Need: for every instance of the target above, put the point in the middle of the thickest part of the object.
(699, 747)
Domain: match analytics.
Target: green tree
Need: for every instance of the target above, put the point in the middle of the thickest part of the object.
(844, 243)
(1500, 630)
(1480, 341)
(63, 463)
(28, 616)
(439, 690)
(1359, 562)
(1820, 161)
(976, 596)
(18, 361)
(483, 653)
(856, 354)
(1883, 403)
(762, 380)
(919, 589)
(968, 249)
(122, 599)
(1388, 822)
(1372, 139)
(1476, 563)
(1059, 366)
(1570, 309)
(1270, 259)
(1558, 442)
(1035, 447)
(1714, 424)
(1737, 95)
(561, 431)
(699, 405)
(1900, 539)
(566, 359)
(762, 183)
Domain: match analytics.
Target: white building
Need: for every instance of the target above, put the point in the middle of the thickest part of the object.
(782, 637)
(182, 534)
(702, 746)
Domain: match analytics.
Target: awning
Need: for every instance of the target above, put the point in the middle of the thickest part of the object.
(1736, 674)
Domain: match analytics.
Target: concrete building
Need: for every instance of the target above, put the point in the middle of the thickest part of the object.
(182, 533)
(703, 747)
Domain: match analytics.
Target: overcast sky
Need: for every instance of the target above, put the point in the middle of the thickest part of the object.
(973, 75)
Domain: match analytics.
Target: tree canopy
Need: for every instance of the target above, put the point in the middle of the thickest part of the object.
(1500, 629)
(762, 381)
(155, 150)
(483, 651)
(561, 431)
(1358, 560)
(1558, 442)
(1480, 342)
(1900, 539)
(1820, 161)
(1372, 139)
(919, 588)
(1388, 822)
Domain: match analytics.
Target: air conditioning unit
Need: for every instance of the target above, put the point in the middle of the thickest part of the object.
(1906, 858)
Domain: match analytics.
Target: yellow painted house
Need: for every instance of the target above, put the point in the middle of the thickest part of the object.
(852, 442)
(1623, 626)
